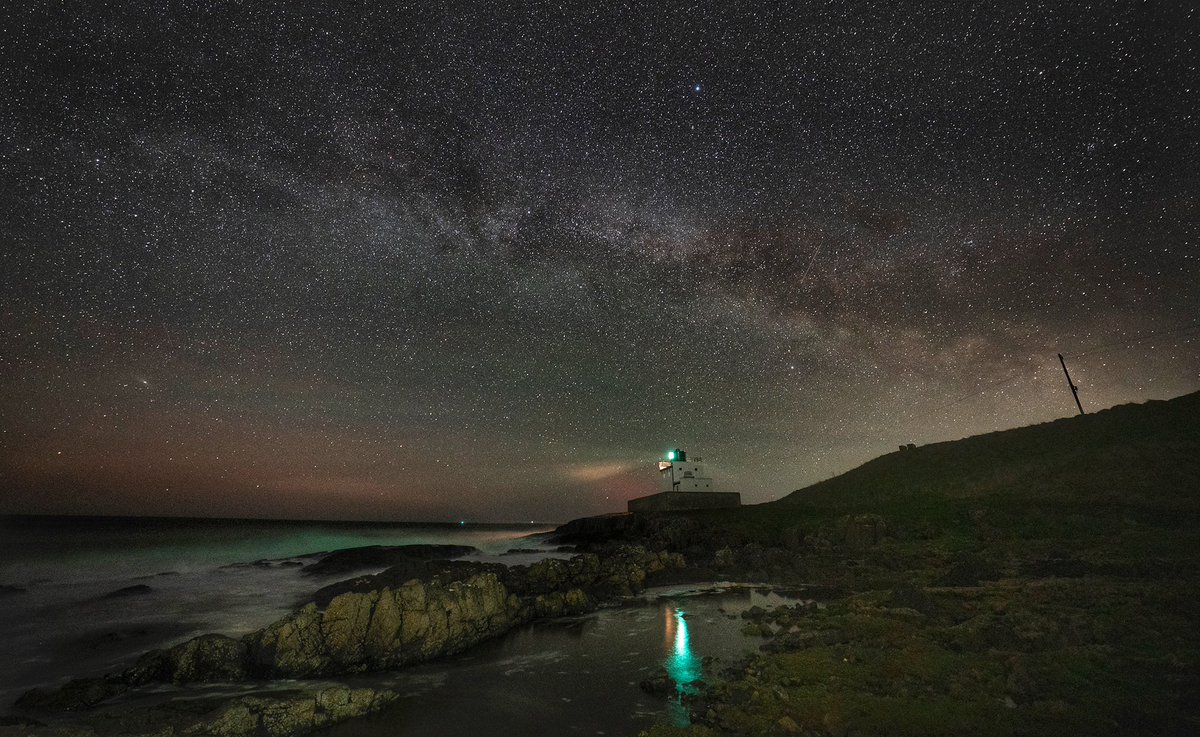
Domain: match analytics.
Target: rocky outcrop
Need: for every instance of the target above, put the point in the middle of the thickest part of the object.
(381, 625)
(374, 630)
(403, 572)
(270, 714)
(256, 715)
(341, 562)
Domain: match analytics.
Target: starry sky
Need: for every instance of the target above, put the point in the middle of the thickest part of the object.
(488, 261)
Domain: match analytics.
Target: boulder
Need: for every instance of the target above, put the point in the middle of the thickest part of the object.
(660, 683)
(754, 613)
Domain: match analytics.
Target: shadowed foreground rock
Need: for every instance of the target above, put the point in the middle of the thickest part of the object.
(274, 714)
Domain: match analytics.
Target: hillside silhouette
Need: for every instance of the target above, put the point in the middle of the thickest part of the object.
(1137, 461)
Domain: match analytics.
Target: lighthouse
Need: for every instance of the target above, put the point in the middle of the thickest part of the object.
(680, 474)
(686, 484)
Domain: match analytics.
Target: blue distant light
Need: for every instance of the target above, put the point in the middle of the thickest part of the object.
(696, 88)
(462, 522)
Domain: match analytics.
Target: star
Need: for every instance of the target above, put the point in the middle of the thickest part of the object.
(434, 276)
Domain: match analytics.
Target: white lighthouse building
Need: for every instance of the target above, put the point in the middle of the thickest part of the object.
(686, 484)
(680, 474)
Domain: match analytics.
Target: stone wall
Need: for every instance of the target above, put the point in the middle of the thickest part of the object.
(674, 501)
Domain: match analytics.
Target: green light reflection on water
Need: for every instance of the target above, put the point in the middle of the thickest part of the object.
(683, 666)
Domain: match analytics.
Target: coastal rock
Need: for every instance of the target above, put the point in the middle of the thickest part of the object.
(81, 693)
(787, 725)
(968, 570)
(384, 629)
(279, 717)
(803, 640)
(1055, 567)
(656, 531)
(756, 630)
(754, 613)
(273, 714)
(291, 647)
(548, 575)
(136, 590)
(794, 538)
(908, 597)
(407, 570)
(341, 562)
(862, 530)
(345, 624)
(208, 658)
(660, 683)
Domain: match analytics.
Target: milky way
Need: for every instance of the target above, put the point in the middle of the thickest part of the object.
(443, 261)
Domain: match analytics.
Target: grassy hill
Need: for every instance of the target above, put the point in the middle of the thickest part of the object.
(1137, 463)
(1036, 581)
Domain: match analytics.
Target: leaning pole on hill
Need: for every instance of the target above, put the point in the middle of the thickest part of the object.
(1074, 389)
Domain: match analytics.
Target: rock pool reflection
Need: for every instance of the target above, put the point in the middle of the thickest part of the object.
(683, 666)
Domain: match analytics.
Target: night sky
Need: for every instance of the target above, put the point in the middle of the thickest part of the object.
(459, 261)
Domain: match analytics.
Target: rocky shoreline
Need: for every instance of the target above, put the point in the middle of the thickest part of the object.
(368, 624)
(917, 632)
